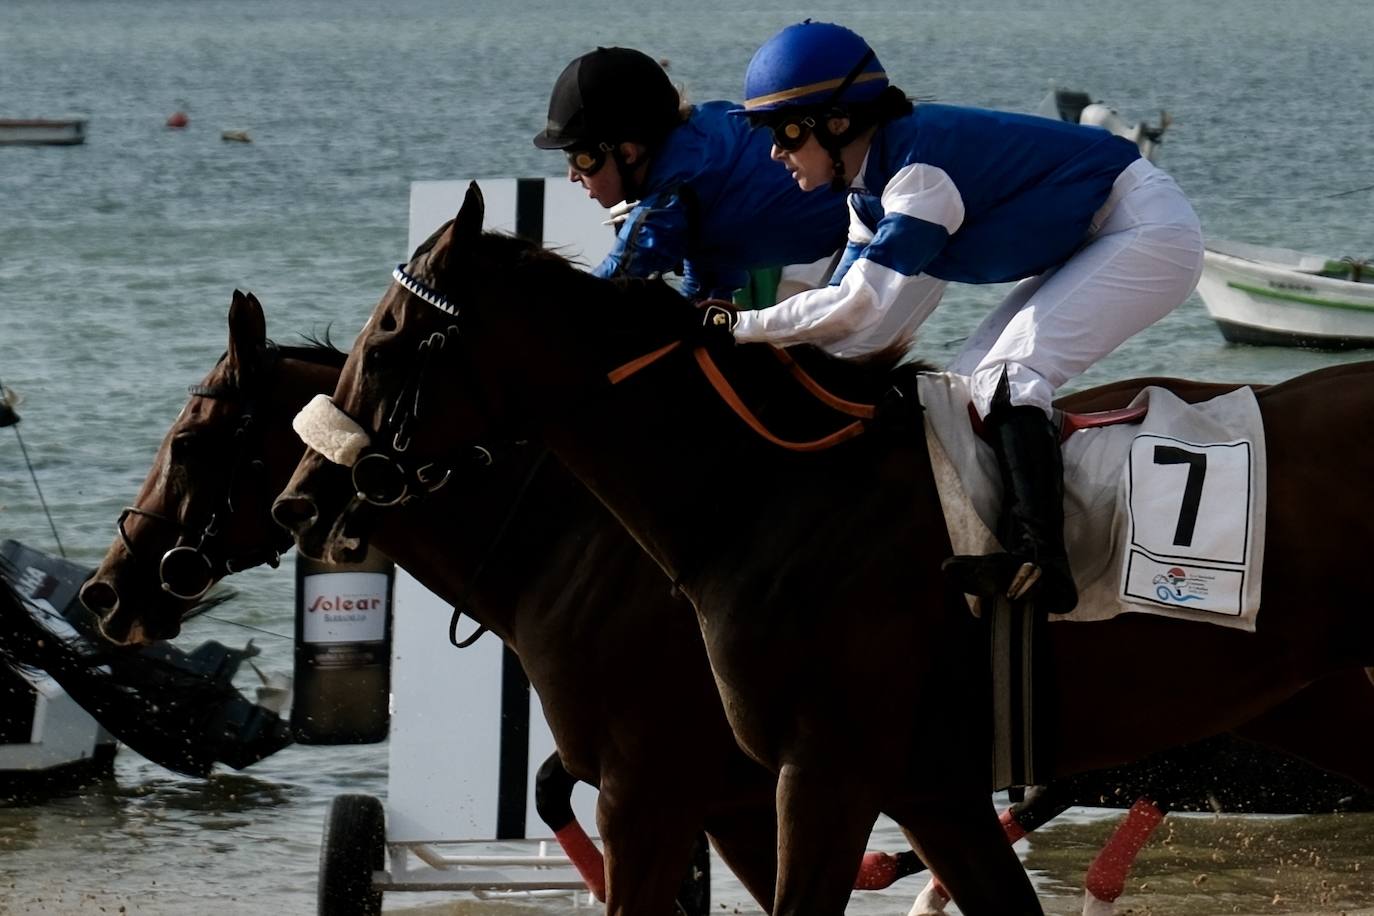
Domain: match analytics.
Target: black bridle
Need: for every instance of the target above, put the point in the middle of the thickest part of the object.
(190, 567)
(384, 475)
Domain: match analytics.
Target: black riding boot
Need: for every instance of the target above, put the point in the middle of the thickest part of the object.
(1031, 527)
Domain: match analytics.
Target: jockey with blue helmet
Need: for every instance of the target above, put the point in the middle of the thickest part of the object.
(1102, 243)
(710, 203)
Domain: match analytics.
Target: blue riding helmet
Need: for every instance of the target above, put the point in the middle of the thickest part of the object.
(811, 65)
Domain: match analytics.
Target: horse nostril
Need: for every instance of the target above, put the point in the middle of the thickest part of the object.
(100, 597)
(295, 513)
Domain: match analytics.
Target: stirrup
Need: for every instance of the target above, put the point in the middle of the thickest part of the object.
(1026, 576)
(990, 575)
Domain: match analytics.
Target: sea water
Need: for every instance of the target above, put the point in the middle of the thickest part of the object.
(118, 259)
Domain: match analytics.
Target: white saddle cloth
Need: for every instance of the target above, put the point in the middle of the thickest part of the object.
(1165, 516)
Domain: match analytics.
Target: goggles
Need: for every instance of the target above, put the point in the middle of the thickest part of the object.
(791, 133)
(589, 160)
(791, 128)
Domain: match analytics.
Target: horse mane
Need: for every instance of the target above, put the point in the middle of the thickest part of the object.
(317, 349)
(868, 376)
(659, 313)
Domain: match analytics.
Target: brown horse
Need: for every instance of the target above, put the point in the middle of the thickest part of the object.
(212, 443)
(664, 759)
(816, 576)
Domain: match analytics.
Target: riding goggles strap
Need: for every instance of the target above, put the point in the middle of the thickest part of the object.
(790, 129)
(588, 160)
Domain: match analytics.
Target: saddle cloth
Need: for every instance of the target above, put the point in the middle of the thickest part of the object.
(1165, 516)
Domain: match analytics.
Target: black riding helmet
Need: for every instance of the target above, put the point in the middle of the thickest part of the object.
(610, 96)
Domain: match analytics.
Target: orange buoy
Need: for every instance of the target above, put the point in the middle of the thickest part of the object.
(178, 119)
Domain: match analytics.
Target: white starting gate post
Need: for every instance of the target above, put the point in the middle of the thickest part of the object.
(467, 733)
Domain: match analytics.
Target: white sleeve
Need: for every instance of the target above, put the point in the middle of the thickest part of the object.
(826, 315)
(925, 192)
(922, 208)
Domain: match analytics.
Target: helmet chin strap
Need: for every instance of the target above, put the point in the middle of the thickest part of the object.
(834, 143)
(629, 188)
(838, 182)
(629, 184)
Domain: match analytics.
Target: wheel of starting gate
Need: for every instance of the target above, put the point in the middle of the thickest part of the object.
(354, 846)
(694, 897)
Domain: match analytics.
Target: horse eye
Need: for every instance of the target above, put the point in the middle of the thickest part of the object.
(388, 322)
(187, 446)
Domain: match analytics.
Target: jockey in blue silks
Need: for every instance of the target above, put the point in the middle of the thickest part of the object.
(711, 204)
(1101, 241)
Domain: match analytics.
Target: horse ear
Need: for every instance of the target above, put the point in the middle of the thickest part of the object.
(467, 225)
(463, 232)
(247, 329)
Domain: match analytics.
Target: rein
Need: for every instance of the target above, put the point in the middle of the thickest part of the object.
(400, 416)
(487, 555)
(862, 412)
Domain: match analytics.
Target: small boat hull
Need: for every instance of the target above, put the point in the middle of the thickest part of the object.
(1277, 297)
(41, 132)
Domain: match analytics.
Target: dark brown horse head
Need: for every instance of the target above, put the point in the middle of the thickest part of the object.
(450, 338)
(203, 509)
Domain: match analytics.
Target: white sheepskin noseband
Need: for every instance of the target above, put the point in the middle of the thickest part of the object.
(329, 431)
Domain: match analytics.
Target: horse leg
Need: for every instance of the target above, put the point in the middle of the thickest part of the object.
(1040, 805)
(1328, 723)
(747, 842)
(1106, 877)
(824, 821)
(648, 847)
(946, 831)
(553, 786)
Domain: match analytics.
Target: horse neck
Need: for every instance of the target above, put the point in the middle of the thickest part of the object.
(511, 551)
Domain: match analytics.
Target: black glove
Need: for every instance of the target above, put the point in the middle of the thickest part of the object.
(717, 323)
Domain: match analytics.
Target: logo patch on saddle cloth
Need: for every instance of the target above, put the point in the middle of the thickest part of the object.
(1162, 516)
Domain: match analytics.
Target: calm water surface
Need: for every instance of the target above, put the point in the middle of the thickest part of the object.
(117, 260)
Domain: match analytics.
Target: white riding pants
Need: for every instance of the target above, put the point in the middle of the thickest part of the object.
(1142, 258)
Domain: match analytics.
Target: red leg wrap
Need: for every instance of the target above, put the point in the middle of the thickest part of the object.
(586, 858)
(877, 871)
(1010, 825)
(1107, 875)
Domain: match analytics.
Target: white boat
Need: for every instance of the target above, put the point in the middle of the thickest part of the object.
(47, 740)
(36, 131)
(1262, 295)
(65, 699)
(1079, 108)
